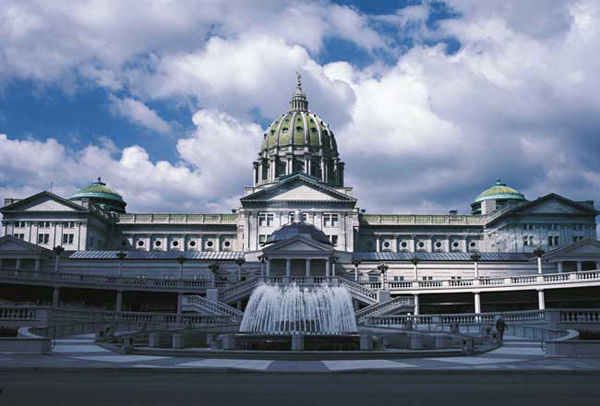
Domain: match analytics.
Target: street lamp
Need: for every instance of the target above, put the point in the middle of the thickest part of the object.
(414, 260)
(538, 252)
(356, 263)
(214, 267)
(475, 256)
(180, 260)
(240, 261)
(383, 269)
(59, 249)
(121, 256)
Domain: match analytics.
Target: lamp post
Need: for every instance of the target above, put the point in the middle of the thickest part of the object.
(414, 260)
(475, 257)
(240, 261)
(58, 250)
(383, 269)
(538, 252)
(121, 256)
(356, 263)
(263, 260)
(214, 267)
(180, 260)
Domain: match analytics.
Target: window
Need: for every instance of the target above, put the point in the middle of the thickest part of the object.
(456, 278)
(427, 278)
(292, 217)
(175, 243)
(262, 238)
(21, 236)
(577, 238)
(553, 241)
(473, 244)
(68, 224)
(20, 224)
(373, 278)
(404, 244)
(528, 241)
(43, 238)
(438, 244)
(334, 239)
(330, 220)
(455, 244)
(227, 244)
(209, 244)
(157, 243)
(140, 243)
(386, 244)
(421, 244)
(266, 219)
(398, 278)
(68, 238)
(192, 243)
(44, 224)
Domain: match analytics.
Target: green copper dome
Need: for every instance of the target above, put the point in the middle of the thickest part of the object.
(499, 192)
(98, 193)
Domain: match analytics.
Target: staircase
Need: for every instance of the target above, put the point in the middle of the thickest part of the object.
(379, 309)
(358, 291)
(199, 304)
(238, 291)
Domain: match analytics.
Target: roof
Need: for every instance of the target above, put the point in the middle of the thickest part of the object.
(291, 230)
(440, 256)
(499, 191)
(98, 190)
(160, 255)
(22, 202)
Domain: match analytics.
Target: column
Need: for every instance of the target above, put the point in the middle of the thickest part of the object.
(179, 299)
(37, 264)
(307, 273)
(327, 268)
(356, 278)
(119, 302)
(288, 267)
(539, 265)
(377, 244)
(541, 300)
(559, 266)
(333, 268)
(416, 272)
(416, 297)
(18, 266)
(579, 266)
(268, 267)
(476, 267)
(477, 303)
(55, 297)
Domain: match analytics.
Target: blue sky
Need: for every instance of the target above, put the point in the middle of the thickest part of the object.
(430, 101)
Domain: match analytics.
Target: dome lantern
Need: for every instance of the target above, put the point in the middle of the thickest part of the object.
(495, 197)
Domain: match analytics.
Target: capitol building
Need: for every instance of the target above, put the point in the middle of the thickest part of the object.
(299, 218)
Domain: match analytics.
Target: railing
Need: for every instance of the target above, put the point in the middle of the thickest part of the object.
(359, 290)
(536, 280)
(214, 307)
(233, 292)
(580, 316)
(378, 308)
(61, 278)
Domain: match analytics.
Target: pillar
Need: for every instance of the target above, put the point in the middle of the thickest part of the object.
(476, 269)
(377, 244)
(288, 267)
(55, 297)
(539, 264)
(268, 267)
(297, 342)
(18, 266)
(559, 266)
(307, 273)
(356, 273)
(119, 302)
(239, 305)
(415, 271)
(327, 267)
(541, 300)
(477, 302)
(179, 300)
(332, 268)
(579, 266)
(416, 298)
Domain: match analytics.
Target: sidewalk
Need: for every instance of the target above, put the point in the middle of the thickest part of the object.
(80, 353)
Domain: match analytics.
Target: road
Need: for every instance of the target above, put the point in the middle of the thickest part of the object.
(164, 388)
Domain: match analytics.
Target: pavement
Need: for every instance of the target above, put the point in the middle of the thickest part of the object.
(80, 352)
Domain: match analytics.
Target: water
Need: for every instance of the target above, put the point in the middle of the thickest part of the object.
(290, 309)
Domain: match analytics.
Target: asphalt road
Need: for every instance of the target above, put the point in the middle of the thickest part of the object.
(125, 388)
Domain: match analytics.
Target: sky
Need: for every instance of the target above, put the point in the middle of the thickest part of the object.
(430, 101)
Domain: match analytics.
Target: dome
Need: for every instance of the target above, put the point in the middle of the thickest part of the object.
(499, 192)
(299, 141)
(298, 228)
(99, 193)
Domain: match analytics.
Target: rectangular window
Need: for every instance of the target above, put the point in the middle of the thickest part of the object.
(43, 238)
(330, 220)
(373, 278)
(531, 240)
(68, 238)
(525, 241)
(427, 278)
(266, 219)
(262, 238)
(334, 240)
(398, 278)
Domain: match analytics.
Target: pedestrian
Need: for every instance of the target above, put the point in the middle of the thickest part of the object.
(500, 327)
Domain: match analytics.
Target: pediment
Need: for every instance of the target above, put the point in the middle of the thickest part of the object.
(14, 244)
(586, 247)
(298, 188)
(555, 204)
(298, 244)
(44, 201)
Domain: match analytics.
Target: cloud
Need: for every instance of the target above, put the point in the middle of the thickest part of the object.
(138, 113)
(215, 159)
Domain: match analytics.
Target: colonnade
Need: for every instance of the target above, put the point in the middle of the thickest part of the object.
(329, 266)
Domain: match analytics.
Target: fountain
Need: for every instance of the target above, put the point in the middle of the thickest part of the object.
(315, 318)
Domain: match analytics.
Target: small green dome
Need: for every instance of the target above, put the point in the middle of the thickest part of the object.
(499, 192)
(99, 193)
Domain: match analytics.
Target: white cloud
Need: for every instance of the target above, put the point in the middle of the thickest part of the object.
(138, 113)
